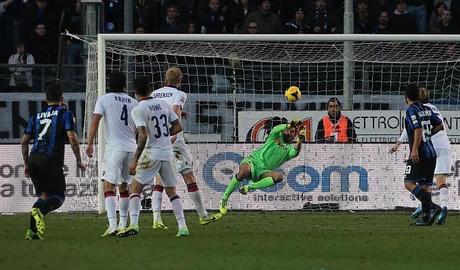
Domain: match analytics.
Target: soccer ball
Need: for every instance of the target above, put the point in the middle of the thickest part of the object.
(292, 94)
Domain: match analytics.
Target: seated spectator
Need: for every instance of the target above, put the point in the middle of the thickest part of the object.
(147, 13)
(401, 21)
(435, 19)
(171, 22)
(252, 28)
(41, 13)
(190, 28)
(21, 77)
(289, 7)
(446, 26)
(362, 24)
(140, 29)
(320, 20)
(417, 8)
(383, 26)
(212, 19)
(42, 46)
(238, 14)
(297, 24)
(377, 6)
(267, 21)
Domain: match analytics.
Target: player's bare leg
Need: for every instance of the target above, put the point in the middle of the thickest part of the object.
(267, 179)
(178, 211)
(244, 172)
(441, 183)
(111, 208)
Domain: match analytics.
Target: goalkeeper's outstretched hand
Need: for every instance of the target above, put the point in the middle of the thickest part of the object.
(294, 123)
(301, 135)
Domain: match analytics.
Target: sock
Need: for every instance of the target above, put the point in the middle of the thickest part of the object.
(111, 208)
(157, 195)
(52, 203)
(195, 196)
(124, 205)
(262, 183)
(443, 195)
(178, 211)
(232, 185)
(134, 209)
(424, 197)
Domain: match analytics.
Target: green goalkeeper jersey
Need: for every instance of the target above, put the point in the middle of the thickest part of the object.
(275, 151)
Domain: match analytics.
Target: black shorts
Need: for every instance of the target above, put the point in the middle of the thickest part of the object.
(422, 172)
(47, 175)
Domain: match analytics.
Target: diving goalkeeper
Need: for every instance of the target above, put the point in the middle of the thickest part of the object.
(259, 165)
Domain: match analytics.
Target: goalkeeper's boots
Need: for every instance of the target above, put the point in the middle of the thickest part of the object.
(183, 232)
(109, 232)
(223, 206)
(39, 220)
(442, 216)
(210, 218)
(416, 214)
(130, 231)
(159, 225)
(30, 235)
(244, 189)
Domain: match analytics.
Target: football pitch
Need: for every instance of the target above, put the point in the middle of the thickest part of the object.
(241, 240)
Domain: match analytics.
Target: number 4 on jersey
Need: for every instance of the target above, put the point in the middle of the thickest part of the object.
(124, 115)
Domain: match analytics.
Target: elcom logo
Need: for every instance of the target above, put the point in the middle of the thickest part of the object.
(317, 178)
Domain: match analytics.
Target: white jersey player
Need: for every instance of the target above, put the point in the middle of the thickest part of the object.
(442, 170)
(183, 159)
(155, 122)
(120, 144)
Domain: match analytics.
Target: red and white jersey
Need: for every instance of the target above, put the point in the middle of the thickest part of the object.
(119, 128)
(156, 115)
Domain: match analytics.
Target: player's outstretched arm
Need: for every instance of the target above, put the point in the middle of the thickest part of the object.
(92, 134)
(175, 128)
(73, 140)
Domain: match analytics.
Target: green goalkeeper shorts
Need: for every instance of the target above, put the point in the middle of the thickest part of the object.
(257, 167)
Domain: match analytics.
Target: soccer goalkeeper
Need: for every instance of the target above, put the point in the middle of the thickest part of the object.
(259, 165)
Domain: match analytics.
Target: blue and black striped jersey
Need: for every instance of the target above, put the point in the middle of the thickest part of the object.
(420, 116)
(48, 129)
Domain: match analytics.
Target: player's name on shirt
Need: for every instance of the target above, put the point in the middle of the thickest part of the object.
(424, 113)
(123, 99)
(155, 107)
(47, 114)
(162, 95)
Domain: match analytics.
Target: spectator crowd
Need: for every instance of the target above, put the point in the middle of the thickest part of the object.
(29, 29)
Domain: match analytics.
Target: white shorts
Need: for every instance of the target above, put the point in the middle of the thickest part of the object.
(148, 168)
(182, 157)
(443, 161)
(115, 165)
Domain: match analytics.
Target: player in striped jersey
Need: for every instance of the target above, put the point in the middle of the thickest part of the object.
(183, 159)
(442, 170)
(120, 144)
(49, 130)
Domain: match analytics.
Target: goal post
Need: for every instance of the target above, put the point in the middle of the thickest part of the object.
(235, 86)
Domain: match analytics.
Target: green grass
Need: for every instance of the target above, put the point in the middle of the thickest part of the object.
(256, 240)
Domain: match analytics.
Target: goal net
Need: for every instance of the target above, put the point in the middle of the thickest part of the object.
(235, 86)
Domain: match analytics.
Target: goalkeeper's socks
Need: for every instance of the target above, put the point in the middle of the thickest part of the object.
(195, 196)
(52, 203)
(157, 195)
(124, 206)
(111, 208)
(134, 209)
(178, 211)
(262, 183)
(232, 185)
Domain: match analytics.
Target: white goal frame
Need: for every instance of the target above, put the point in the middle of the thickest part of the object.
(347, 40)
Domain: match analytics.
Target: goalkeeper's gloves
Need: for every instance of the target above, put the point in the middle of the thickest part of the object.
(301, 135)
(294, 123)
